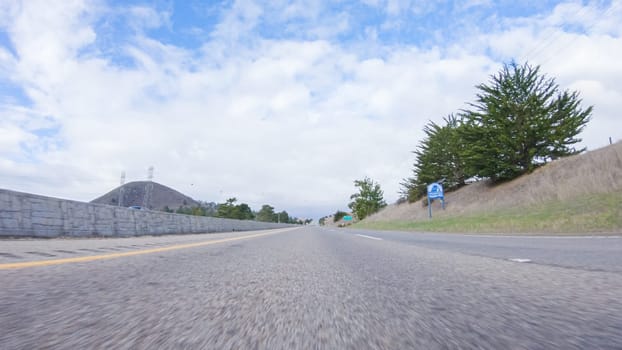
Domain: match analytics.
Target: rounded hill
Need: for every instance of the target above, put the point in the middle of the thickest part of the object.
(147, 194)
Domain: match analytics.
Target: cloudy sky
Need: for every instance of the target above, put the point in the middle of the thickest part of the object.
(279, 102)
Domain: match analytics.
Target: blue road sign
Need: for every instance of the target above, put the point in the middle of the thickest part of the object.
(435, 190)
(347, 218)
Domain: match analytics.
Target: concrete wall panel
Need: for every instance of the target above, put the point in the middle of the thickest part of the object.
(29, 215)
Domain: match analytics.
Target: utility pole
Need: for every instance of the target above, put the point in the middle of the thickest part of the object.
(121, 188)
(148, 187)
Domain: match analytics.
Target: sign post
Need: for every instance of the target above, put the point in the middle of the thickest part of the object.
(435, 190)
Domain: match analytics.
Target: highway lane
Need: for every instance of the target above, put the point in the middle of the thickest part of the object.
(598, 253)
(42, 252)
(310, 288)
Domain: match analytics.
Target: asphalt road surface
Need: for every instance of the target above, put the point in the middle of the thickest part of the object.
(312, 288)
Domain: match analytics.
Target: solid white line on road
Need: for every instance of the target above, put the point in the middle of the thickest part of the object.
(518, 260)
(370, 237)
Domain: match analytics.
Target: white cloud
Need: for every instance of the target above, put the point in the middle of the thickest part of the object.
(286, 122)
(466, 5)
(239, 21)
(143, 17)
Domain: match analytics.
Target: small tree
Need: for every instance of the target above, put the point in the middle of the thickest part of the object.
(368, 200)
(520, 121)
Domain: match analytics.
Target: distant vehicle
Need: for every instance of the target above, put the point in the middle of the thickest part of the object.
(137, 207)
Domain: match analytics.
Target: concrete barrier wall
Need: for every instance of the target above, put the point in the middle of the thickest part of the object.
(29, 215)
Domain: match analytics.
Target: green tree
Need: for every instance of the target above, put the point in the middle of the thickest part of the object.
(197, 211)
(227, 209)
(339, 215)
(184, 210)
(230, 210)
(368, 200)
(208, 208)
(266, 214)
(244, 212)
(520, 120)
(282, 217)
(438, 157)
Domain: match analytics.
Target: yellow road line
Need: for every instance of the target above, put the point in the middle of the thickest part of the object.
(26, 264)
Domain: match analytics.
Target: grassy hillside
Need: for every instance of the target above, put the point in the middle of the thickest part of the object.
(579, 194)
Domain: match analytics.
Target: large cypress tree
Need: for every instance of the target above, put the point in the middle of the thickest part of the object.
(438, 157)
(520, 121)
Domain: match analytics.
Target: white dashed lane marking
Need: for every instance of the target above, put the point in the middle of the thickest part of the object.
(370, 237)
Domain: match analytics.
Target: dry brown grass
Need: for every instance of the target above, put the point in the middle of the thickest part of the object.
(594, 172)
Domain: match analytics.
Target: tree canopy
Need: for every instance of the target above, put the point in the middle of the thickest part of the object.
(230, 210)
(519, 121)
(438, 157)
(266, 213)
(368, 200)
